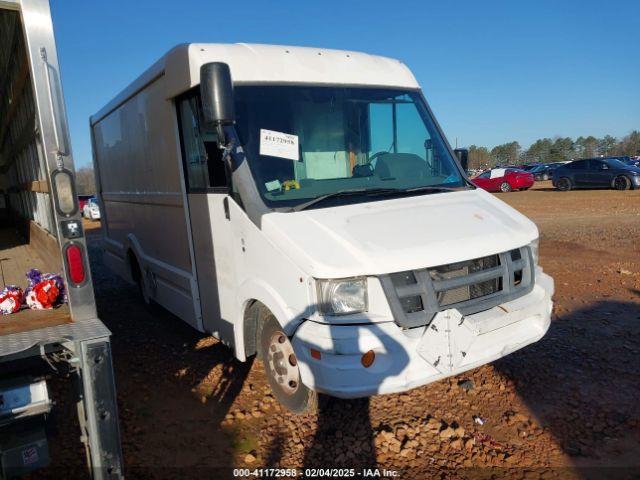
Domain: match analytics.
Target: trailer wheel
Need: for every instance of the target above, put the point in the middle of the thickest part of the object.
(281, 367)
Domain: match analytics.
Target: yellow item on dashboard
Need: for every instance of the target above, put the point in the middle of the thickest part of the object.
(289, 184)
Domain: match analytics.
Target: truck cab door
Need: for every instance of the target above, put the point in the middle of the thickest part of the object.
(601, 173)
(581, 172)
(208, 197)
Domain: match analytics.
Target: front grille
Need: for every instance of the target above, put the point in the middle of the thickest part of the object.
(471, 286)
(463, 269)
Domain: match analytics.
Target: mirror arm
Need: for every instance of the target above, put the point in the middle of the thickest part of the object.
(222, 137)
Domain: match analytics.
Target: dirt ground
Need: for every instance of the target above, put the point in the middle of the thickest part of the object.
(565, 407)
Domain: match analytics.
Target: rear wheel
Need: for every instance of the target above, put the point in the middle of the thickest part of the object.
(621, 183)
(564, 184)
(143, 289)
(505, 187)
(281, 367)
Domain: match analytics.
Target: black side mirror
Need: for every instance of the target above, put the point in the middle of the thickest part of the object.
(463, 157)
(216, 92)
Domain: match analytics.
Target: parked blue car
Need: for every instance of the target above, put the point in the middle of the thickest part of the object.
(596, 173)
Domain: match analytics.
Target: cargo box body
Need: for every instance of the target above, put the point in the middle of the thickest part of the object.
(41, 228)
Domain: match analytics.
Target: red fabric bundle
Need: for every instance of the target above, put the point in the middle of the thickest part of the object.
(43, 295)
(10, 299)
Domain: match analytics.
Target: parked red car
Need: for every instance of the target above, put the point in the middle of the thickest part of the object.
(82, 201)
(504, 180)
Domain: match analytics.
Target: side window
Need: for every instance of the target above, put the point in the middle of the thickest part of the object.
(598, 165)
(413, 136)
(380, 128)
(578, 165)
(485, 175)
(202, 159)
(397, 127)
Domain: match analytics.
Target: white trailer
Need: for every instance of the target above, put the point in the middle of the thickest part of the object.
(304, 204)
(40, 227)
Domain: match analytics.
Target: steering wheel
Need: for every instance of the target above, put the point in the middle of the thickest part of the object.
(376, 155)
(367, 169)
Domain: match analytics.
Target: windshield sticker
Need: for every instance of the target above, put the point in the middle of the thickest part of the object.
(278, 144)
(273, 185)
(497, 172)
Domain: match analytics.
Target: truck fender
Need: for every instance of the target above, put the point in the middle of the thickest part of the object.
(257, 290)
(132, 247)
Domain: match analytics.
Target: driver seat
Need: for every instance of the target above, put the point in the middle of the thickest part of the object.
(400, 165)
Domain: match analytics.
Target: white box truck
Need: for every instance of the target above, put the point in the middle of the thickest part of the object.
(303, 204)
(41, 228)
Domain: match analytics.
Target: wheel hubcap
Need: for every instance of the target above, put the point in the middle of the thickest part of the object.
(283, 364)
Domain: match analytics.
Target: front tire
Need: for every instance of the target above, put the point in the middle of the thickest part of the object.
(505, 187)
(621, 183)
(564, 184)
(281, 367)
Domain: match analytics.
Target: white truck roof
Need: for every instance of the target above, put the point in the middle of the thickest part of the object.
(256, 63)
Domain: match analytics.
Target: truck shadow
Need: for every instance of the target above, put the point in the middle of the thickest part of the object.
(175, 385)
(344, 433)
(581, 382)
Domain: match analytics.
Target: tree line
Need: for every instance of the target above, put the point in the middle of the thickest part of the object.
(558, 149)
(85, 181)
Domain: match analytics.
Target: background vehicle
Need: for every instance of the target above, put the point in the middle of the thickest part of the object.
(527, 167)
(596, 173)
(633, 162)
(273, 242)
(91, 209)
(622, 158)
(82, 201)
(543, 172)
(504, 180)
(40, 227)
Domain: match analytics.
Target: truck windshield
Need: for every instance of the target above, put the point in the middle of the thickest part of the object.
(339, 144)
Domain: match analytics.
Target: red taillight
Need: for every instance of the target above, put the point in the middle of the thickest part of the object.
(75, 265)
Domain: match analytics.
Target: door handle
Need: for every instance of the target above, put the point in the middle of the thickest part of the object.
(225, 204)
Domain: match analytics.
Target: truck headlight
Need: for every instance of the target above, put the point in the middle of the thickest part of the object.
(343, 296)
(534, 250)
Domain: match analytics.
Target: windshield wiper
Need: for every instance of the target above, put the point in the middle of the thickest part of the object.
(346, 193)
(374, 192)
(434, 189)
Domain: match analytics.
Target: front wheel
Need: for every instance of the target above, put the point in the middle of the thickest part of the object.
(281, 367)
(564, 184)
(621, 183)
(505, 187)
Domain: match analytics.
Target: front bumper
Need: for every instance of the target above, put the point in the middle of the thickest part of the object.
(401, 362)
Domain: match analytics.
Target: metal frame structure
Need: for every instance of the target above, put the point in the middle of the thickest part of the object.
(86, 339)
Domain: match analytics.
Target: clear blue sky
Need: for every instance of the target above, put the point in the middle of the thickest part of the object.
(492, 71)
